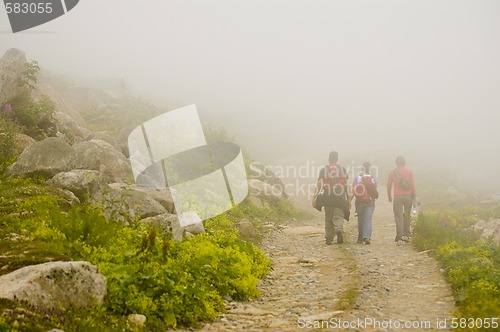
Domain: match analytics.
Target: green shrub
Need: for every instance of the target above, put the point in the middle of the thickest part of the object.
(31, 115)
(434, 229)
(184, 284)
(472, 264)
(7, 146)
(175, 284)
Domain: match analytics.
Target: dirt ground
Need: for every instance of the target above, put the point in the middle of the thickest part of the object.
(350, 286)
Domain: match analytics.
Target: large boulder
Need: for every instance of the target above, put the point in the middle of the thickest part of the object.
(162, 196)
(55, 284)
(82, 183)
(489, 229)
(54, 155)
(12, 65)
(46, 158)
(68, 126)
(125, 204)
(22, 142)
(103, 136)
(103, 157)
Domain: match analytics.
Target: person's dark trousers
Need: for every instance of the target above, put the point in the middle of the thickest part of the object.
(334, 223)
(402, 209)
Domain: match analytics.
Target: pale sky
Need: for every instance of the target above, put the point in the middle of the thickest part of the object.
(300, 78)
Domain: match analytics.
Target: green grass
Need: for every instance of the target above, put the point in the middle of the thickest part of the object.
(472, 264)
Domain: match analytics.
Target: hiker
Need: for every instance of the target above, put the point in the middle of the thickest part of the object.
(401, 178)
(365, 191)
(332, 192)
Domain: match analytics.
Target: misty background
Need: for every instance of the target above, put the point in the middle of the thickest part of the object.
(293, 80)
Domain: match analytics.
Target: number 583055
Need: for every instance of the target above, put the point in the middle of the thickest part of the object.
(473, 323)
(28, 8)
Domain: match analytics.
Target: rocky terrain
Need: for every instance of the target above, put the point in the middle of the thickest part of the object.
(368, 286)
(85, 166)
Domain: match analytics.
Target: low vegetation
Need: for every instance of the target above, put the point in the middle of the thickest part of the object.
(175, 284)
(472, 263)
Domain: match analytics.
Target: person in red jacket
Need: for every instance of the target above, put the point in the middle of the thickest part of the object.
(401, 178)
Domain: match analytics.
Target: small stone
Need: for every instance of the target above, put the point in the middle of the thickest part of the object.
(137, 319)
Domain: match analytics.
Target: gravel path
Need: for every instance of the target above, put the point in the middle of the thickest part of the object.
(377, 287)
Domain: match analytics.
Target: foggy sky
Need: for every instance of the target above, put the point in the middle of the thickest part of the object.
(295, 79)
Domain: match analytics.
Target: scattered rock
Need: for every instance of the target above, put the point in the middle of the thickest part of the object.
(67, 125)
(246, 228)
(46, 158)
(60, 104)
(127, 204)
(168, 223)
(22, 142)
(59, 284)
(490, 228)
(162, 196)
(12, 65)
(103, 136)
(103, 157)
(137, 319)
(195, 229)
(82, 183)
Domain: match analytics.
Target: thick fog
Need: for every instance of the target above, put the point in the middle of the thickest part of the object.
(293, 80)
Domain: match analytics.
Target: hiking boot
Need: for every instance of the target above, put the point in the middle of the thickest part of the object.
(340, 237)
(405, 238)
(366, 241)
(399, 242)
(329, 243)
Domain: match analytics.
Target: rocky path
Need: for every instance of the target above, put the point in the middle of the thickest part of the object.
(377, 287)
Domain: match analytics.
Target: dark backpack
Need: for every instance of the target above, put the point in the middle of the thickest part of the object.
(365, 190)
(334, 181)
(403, 183)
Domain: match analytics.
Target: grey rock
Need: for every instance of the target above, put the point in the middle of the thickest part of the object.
(195, 229)
(82, 183)
(137, 319)
(61, 105)
(125, 204)
(12, 65)
(488, 229)
(67, 125)
(162, 196)
(103, 157)
(168, 223)
(103, 136)
(22, 142)
(69, 199)
(246, 228)
(46, 158)
(58, 284)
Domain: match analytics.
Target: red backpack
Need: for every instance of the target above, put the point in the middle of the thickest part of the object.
(365, 190)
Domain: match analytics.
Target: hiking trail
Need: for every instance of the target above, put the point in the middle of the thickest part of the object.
(312, 282)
